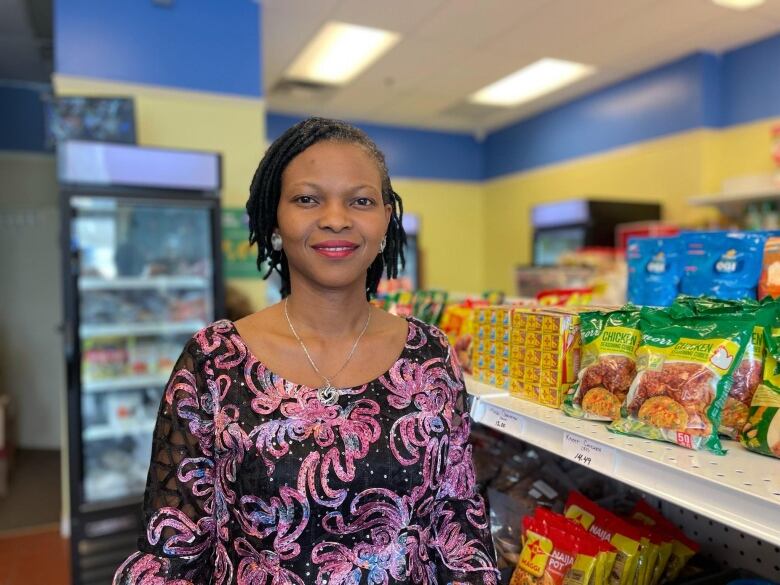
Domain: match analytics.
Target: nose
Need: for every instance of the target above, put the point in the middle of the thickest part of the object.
(335, 216)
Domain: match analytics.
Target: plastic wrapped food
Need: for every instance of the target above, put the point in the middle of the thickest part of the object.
(747, 376)
(761, 433)
(654, 270)
(685, 372)
(605, 525)
(726, 265)
(609, 343)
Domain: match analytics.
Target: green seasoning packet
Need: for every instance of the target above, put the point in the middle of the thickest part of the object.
(685, 371)
(747, 376)
(761, 433)
(608, 366)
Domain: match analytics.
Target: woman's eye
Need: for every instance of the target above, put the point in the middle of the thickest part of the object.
(364, 202)
(305, 199)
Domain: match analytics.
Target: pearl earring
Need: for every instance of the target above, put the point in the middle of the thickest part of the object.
(382, 244)
(276, 242)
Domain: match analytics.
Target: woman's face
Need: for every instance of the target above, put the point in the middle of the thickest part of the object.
(331, 215)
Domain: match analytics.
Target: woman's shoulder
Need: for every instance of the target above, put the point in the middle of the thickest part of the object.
(424, 334)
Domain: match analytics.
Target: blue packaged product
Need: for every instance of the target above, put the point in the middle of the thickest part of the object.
(654, 270)
(725, 265)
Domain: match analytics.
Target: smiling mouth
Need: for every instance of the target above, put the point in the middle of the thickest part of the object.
(335, 249)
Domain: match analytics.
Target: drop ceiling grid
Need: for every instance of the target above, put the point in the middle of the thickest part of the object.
(451, 48)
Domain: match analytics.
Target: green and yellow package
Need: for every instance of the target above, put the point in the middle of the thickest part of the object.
(747, 376)
(608, 364)
(761, 433)
(685, 370)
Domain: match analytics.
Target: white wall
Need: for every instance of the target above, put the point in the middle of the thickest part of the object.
(32, 368)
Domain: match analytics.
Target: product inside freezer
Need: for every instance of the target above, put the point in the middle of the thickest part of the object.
(143, 306)
(105, 358)
(116, 467)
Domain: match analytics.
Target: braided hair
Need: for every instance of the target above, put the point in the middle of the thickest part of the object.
(266, 187)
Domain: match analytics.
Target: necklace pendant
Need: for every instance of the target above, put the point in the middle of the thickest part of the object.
(328, 395)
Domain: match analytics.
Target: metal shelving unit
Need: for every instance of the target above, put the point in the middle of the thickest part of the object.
(129, 383)
(741, 490)
(100, 432)
(134, 329)
(143, 283)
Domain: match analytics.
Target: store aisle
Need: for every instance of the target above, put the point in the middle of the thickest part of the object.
(33, 498)
(36, 557)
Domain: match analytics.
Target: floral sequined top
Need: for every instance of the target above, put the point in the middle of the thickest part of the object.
(253, 481)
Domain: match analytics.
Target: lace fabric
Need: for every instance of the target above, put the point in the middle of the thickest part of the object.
(253, 481)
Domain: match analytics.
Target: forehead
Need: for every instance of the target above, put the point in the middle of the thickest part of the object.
(333, 161)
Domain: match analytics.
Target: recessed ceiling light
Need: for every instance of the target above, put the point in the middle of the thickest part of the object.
(539, 78)
(739, 4)
(339, 52)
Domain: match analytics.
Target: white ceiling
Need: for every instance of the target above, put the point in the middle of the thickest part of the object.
(451, 48)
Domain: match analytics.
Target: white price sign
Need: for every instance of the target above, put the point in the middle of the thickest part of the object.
(505, 421)
(587, 453)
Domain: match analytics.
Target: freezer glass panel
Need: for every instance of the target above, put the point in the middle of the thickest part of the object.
(145, 285)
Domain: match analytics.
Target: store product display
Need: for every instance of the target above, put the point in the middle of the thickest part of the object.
(761, 432)
(609, 342)
(655, 267)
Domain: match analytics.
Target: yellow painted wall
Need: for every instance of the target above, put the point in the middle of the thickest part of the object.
(233, 126)
(667, 170)
(452, 231)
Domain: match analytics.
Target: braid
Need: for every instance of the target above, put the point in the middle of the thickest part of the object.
(266, 186)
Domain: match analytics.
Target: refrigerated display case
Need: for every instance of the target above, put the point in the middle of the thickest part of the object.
(141, 241)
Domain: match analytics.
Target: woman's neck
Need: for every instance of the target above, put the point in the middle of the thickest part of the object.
(327, 314)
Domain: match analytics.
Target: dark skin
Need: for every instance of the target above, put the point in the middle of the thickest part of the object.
(330, 192)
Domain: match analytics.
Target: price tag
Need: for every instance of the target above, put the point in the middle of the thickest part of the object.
(587, 453)
(505, 421)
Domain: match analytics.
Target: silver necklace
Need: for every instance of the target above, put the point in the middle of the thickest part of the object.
(328, 394)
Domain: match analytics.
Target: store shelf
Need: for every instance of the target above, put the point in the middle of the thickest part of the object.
(102, 432)
(142, 283)
(133, 329)
(740, 489)
(719, 199)
(124, 383)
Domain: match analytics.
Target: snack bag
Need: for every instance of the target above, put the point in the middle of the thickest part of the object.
(769, 283)
(683, 548)
(609, 343)
(761, 433)
(685, 372)
(654, 270)
(726, 265)
(551, 556)
(747, 376)
(605, 525)
(604, 552)
(657, 556)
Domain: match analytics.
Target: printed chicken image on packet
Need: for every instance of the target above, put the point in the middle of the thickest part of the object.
(685, 372)
(608, 364)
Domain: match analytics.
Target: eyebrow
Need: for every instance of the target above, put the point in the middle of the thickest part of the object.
(318, 187)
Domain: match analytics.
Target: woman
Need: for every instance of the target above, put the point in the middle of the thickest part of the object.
(320, 440)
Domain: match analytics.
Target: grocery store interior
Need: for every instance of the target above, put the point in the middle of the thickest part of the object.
(591, 197)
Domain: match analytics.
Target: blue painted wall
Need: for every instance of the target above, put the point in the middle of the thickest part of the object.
(204, 45)
(673, 98)
(751, 82)
(21, 117)
(410, 152)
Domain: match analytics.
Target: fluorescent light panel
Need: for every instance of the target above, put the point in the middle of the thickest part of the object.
(535, 80)
(339, 52)
(739, 4)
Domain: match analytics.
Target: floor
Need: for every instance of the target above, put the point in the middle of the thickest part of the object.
(34, 497)
(37, 556)
(31, 549)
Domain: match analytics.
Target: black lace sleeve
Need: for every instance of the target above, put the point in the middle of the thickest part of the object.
(461, 525)
(176, 546)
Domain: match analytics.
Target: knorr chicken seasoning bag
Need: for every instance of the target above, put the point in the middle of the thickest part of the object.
(685, 370)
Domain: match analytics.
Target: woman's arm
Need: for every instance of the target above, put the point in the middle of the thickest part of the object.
(177, 545)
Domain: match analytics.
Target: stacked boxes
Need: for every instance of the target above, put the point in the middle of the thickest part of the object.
(545, 354)
(492, 345)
